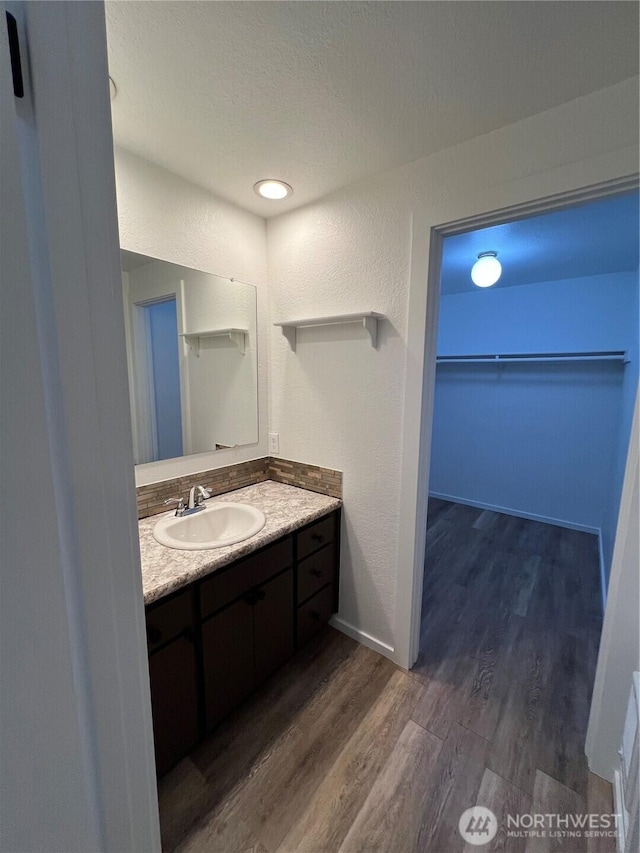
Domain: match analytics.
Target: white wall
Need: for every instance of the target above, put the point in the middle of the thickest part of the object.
(337, 402)
(163, 216)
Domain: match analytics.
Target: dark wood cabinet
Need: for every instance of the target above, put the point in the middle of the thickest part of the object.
(314, 614)
(174, 700)
(245, 643)
(227, 658)
(273, 616)
(315, 572)
(211, 644)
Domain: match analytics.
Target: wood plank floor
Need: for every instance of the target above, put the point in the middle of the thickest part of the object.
(343, 751)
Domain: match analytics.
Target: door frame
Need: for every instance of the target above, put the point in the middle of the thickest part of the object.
(141, 393)
(553, 190)
(67, 164)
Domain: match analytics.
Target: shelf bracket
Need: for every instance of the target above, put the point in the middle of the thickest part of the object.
(193, 342)
(290, 334)
(371, 325)
(238, 339)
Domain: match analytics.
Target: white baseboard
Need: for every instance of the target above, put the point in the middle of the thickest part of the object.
(558, 522)
(362, 637)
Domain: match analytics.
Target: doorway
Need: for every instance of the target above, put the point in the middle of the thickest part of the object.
(155, 377)
(160, 325)
(535, 384)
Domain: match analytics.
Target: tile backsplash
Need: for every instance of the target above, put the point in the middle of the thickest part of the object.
(151, 498)
(312, 477)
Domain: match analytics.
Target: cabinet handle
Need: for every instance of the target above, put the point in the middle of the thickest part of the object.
(317, 537)
(255, 596)
(316, 573)
(315, 615)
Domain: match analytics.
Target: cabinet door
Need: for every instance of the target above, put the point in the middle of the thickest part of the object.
(273, 616)
(227, 654)
(174, 702)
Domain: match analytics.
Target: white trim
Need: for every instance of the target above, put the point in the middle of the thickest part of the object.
(619, 809)
(545, 519)
(618, 656)
(71, 156)
(611, 173)
(603, 572)
(185, 385)
(362, 637)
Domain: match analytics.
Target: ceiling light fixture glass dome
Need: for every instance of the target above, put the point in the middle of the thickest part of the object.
(273, 189)
(486, 270)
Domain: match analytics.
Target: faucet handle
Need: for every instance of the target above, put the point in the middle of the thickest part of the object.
(180, 501)
(203, 493)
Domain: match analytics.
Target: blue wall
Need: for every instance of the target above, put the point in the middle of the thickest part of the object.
(539, 440)
(163, 333)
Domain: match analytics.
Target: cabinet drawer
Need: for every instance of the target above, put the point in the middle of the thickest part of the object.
(231, 583)
(314, 537)
(169, 619)
(315, 572)
(314, 614)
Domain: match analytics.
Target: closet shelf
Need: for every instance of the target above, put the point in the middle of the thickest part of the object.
(238, 336)
(502, 358)
(369, 320)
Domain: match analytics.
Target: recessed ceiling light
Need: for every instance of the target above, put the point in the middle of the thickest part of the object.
(486, 270)
(273, 189)
(113, 91)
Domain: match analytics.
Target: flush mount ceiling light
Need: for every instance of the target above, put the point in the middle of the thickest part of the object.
(486, 270)
(273, 189)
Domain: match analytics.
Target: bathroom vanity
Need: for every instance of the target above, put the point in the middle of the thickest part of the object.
(219, 622)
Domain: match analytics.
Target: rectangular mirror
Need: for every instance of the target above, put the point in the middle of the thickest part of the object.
(191, 357)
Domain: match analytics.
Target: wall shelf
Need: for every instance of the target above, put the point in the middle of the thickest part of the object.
(238, 336)
(515, 357)
(369, 320)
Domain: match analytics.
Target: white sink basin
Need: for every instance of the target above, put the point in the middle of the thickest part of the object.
(213, 527)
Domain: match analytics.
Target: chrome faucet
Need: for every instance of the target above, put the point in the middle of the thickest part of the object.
(197, 497)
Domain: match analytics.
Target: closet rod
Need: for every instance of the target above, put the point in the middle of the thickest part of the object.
(501, 358)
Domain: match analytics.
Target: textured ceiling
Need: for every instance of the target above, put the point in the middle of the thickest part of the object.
(323, 94)
(590, 239)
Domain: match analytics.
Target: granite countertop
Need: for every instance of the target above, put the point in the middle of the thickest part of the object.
(286, 508)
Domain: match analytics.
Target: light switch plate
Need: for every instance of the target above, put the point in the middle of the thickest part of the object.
(274, 442)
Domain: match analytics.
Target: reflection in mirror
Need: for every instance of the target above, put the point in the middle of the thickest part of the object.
(192, 359)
